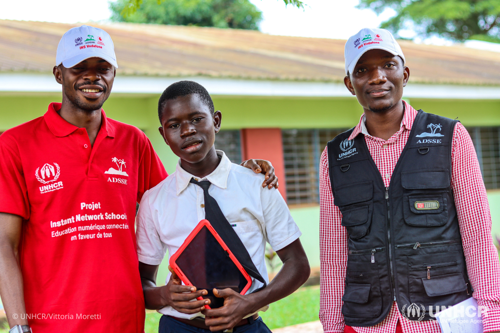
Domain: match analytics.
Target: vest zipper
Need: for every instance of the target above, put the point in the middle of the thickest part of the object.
(429, 267)
(389, 239)
(418, 245)
(372, 251)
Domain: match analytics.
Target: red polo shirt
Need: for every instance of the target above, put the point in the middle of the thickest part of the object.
(78, 252)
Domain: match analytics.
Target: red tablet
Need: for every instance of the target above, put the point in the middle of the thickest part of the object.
(205, 261)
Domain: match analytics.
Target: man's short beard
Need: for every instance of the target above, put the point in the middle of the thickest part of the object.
(86, 107)
(381, 109)
(82, 105)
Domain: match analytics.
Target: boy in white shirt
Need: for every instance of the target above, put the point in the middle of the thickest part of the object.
(171, 210)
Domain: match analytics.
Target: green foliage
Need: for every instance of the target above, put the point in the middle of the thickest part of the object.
(237, 14)
(296, 3)
(453, 19)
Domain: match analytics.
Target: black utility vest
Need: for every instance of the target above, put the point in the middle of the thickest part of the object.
(404, 240)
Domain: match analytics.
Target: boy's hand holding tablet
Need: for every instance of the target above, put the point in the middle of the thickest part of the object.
(184, 298)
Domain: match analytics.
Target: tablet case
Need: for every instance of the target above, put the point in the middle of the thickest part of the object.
(206, 262)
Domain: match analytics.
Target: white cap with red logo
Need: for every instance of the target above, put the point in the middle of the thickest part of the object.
(84, 42)
(369, 39)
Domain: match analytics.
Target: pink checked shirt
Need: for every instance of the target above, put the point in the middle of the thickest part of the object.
(473, 216)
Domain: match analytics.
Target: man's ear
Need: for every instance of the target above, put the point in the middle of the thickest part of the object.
(57, 74)
(406, 76)
(160, 129)
(217, 120)
(348, 84)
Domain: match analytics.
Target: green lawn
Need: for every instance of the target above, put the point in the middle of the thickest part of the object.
(300, 307)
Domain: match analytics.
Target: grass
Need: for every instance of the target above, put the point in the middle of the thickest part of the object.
(300, 307)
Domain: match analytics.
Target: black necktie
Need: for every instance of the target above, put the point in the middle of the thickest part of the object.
(215, 216)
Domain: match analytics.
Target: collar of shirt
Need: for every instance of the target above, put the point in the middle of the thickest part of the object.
(406, 123)
(61, 128)
(218, 177)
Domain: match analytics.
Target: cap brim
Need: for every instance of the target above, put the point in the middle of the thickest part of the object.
(369, 48)
(68, 63)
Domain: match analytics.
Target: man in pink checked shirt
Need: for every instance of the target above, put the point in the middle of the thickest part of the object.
(405, 223)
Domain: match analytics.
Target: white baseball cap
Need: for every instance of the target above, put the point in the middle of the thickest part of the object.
(369, 39)
(84, 42)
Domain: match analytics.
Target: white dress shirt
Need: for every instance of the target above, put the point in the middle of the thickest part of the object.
(172, 209)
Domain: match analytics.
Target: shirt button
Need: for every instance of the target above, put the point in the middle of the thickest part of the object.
(384, 146)
(202, 206)
(387, 176)
(85, 146)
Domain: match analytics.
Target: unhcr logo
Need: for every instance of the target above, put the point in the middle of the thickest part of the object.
(346, 144)
(48, 173)
(413, 311)
(347, 147)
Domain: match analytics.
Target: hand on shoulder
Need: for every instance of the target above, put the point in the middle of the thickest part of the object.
(264, 167)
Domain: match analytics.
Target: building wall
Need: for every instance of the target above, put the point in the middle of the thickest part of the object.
(247, 112)
(258, 113)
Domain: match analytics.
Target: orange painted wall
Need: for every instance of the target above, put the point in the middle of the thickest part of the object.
(265, 144)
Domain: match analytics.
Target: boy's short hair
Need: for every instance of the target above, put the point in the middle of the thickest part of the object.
(183, 88)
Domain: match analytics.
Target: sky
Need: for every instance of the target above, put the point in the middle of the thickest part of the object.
(320, 18)
(338, 19)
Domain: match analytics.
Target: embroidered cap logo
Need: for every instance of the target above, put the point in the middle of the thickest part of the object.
(78, 41)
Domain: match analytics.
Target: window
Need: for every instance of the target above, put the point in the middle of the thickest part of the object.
(230, 143)
(302, 151)
(487, 143)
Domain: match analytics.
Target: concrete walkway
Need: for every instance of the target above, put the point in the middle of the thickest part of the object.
(313, 327)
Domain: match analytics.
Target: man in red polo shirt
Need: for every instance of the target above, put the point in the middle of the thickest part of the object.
(69, 184)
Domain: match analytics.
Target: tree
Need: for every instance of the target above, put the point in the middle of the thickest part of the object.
(238, 14)
(452, 19)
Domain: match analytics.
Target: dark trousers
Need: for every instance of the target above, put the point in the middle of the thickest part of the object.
(170, 325)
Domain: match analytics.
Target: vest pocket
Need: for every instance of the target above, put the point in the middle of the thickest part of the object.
(362, 296)
(424, 180)
(425, 210)
(356, 293)
(445, 285)
(432, 284)
(353, 193)
(357, 220)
